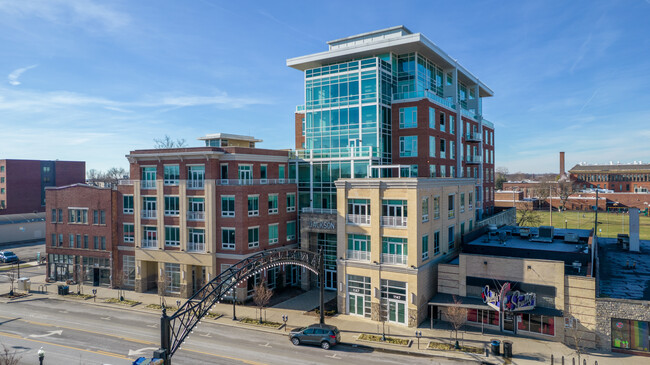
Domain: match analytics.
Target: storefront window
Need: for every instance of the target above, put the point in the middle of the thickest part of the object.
(536, 323)
(630, 335)
(484, 316)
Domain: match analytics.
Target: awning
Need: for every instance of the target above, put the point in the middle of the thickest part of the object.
(447, 300)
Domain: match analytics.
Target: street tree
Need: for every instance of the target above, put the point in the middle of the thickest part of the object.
(457, 316)
(565, 190)
(12, 277)
(261, 296)
(8, 357)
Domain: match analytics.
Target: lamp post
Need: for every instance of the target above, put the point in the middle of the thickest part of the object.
(418, 335)
(285, 319)
(41, 356)
(565, 223)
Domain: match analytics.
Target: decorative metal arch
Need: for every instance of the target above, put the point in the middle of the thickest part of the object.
(174, 329)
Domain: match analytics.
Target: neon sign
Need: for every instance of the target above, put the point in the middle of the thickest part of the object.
(506, 300)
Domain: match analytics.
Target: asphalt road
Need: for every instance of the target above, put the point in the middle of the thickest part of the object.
(72, 333)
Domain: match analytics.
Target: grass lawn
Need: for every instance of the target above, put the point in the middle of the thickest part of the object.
(610, 224)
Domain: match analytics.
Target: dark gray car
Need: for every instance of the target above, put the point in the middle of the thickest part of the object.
(316, 334)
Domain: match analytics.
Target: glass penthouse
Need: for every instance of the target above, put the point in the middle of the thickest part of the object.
(388, 98)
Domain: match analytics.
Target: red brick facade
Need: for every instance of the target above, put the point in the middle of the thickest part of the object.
(300, 137)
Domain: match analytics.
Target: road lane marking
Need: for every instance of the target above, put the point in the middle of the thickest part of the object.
(100, 352)
(141, 351)
(205, 335)
(250, 362)
(50, 333)
(106, 318)
(333, 356)
(266, 345)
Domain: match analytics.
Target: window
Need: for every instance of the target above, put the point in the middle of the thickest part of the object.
(432, 170)
(224, 171)
(148, 178)
(408, 146)
(452, 124)
(78, 215)
(71, 240)
(273, 203)
(149, 207)
(95, 216)
(129, 232)
(60, 243)
(436, 207)
(425, 247)
(281, 172)
(196, 209)
(539, 324)
(195, 177)
(394, 213)
(443, 171)
(358, 211)
(172, 174)
(253, 237)
(394, 250)
(291, 202)
(469, 202)
(60, 213)
(442, 122)
(85, 241)
(196, 241)
(425, 209)
(436, 243)
(432, 118)
(452, 152)
(2, 169)
(408, 117)
(102, 217)
(432, 147)
(450, 206)
(172, 236)
(53, 219)
(443, 148)
(263, 174)
(245, 174)
(149, 237)
(227, 206)
(273, 233)
(462, 202)
(450, 235)
(95, 242)
(103, 240)
(358, 247)
(172, 205)
(291, 231)
(253, 205)
(53, 240)
(228, 238)
(173, 277)
(462, 228)
(127, 204)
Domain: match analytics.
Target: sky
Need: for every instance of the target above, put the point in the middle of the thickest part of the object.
(92, 80)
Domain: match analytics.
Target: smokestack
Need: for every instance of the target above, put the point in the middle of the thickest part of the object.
(562, 164)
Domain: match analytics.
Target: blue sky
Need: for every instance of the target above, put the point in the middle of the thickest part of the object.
(92, 80)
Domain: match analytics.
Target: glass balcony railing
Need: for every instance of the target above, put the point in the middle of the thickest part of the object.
(468, 114)
(149, 243)
(424, 94)
(149, 214)
(473, 159)
(388, 221)
(393, 259)
(195, 247)
(254, 181)
(195, 216)
(358, 219)
(342, 152)
(487, 123)
(300, 108)
(358, 255)
(318, 210)
(473, 136)
(148, 184)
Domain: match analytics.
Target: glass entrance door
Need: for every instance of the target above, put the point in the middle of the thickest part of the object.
(356, 304)
(396, 312)
(508, 322)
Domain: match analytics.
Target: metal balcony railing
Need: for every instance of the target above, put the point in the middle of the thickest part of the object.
(195, 247)
(393, 221)
(125, 182)
(318, 210)
(358, 255)
(195, 216)
(473, 159)
(149, 214)
(358, 219)
(473, 136)
(149, 243)
(255, 181)
(393, 259)
(148, 184)
(195, 184)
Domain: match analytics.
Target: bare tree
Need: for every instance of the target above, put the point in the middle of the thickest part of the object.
(565, 189)
(163, 282)
(457, 316)
(169, 142)
(118, 283)
(501, 177)
(576, 339)
(79, 277)
(527, 216)
(261, 296)
(111, 177)
(8, 357)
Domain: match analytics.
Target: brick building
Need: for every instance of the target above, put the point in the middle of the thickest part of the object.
(192, 212)
(81, 236)
(23, 182)
(618, 178)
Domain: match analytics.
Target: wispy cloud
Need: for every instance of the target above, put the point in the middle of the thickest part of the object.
(84, 13)
(15, 74)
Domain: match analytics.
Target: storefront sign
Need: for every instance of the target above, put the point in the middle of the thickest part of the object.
(512, 301)
(322, 225)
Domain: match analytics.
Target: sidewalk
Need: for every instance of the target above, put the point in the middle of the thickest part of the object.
(525, 350)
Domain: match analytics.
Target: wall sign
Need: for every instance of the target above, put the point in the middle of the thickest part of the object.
(506, 300)
(322, 225)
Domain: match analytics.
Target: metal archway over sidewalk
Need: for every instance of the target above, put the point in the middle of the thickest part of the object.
(174, 329)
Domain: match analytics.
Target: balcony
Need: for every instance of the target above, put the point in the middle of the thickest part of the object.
(237, 182)
(125, 182)
(148, 214)
(468, 114)
(195, 216)
(358, 255)
(424, 94)
(393, 221)
(487, 123)
(318, 210)
(473, 160)
(393, 259)
(300, 108)
(148, 184)
(195, 247)
(149, 243)
(359, 219)
(195, 184)
(473, 137)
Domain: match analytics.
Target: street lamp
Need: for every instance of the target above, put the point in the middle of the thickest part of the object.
(418, 334)
(41, 356)
(285, 318)
(565, 223)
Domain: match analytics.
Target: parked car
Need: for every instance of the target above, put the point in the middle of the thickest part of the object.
(8, 256)
(316, 334)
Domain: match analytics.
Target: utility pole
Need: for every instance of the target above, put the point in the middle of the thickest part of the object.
(550, 205)
(596, 216)
(321, 280)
